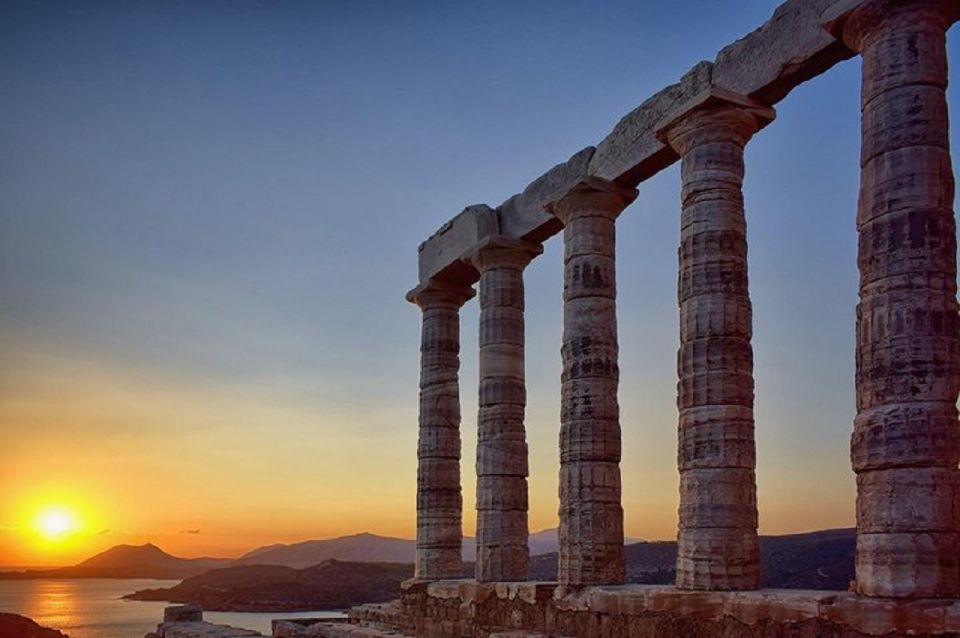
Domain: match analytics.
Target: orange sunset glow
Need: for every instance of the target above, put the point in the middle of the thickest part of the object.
(198, 468)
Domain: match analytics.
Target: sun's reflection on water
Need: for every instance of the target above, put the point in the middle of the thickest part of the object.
(87, 608)
(94, 608)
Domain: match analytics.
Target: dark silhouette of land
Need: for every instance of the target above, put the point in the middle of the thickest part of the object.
(812, 560)
(332, 584)
(14, 626)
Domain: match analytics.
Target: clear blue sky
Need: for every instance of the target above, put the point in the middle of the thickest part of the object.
(225, 199)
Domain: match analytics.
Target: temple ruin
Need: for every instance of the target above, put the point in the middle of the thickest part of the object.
(905, 447)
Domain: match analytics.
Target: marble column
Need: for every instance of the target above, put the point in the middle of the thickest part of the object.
(439, 502)
(717, 536)
(502, 468)
(591, 514)
(905, 445)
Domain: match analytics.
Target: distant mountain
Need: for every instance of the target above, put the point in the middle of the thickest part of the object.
(127, 561)
(372, 548)
(332, 584)
(813, 560)
(359, 547)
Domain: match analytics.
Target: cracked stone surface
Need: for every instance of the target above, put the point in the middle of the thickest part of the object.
(502, 467)
(717, 538)
(905, 445)
(591, 515)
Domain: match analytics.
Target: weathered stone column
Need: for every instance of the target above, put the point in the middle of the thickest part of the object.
(439, 502)
(905, 445)
(591, 515)
(717, 537)
(502, 468)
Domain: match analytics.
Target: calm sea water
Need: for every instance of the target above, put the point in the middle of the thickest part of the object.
(92, 608)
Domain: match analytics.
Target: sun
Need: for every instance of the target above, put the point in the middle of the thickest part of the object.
(56, 521)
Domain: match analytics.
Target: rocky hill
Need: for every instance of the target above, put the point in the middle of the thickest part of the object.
(332, 584)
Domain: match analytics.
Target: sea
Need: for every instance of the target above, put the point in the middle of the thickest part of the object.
(93, 608)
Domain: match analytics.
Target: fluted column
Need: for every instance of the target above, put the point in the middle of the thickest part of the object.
(905, 445)
(591, 514)
(717, 536)
(502, 467)
(439, 502)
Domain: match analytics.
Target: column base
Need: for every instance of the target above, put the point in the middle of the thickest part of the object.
(467, 609)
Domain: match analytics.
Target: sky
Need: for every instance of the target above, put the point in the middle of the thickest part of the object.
(209, 215)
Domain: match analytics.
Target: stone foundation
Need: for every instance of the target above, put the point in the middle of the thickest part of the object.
(467, 609)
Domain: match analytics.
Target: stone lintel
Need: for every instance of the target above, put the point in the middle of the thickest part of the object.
(443, 255)
(787, 50)
(715, 98)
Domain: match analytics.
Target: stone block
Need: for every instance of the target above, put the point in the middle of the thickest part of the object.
(718, 498)
(716, 436)
(905, 435)
(501, 493)
(618, 600)
(589, 399)
(704, 605)
(752, 608)
(444, 589)
(718, 559)
(504, 459)
(914, 177)
(183, 613)
(590, 483)
(908, 499)
(908, 565)
(445, 255)
(501, 325)
(715, 314)
(590, 440)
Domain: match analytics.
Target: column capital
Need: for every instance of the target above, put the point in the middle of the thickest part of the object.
(854, 21)
(500, 251)
(435, 293)
(716, 115)
(591, 197)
